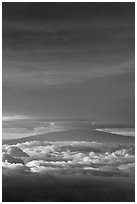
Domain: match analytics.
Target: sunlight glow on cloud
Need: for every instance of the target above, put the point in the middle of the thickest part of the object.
(15, 117)
(14, 132)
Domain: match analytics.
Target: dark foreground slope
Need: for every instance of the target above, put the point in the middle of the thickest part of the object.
(75, 135)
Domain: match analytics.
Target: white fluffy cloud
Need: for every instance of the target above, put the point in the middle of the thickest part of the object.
(42, 156)
(68, 171)
(13, 168)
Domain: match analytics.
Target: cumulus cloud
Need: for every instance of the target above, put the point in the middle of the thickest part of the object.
(83, 166)
(13, 168)
(42, 155)
(130, 167)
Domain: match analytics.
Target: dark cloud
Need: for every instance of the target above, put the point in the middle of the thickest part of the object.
(50, 11)
(66, 188)
(10, 159)
(50, 49)
(67, 41)
(16, 152)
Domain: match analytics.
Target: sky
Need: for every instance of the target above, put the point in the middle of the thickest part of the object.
(69, 61)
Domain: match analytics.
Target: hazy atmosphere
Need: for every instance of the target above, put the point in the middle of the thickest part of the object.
(68, 102)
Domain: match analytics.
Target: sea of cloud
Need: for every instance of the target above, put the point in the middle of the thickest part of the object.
(119, 131)
(68, 171)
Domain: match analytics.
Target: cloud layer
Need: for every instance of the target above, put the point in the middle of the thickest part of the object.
(69, 60)
(17, 127)
(84, 166)
(66, 51)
